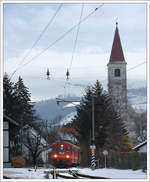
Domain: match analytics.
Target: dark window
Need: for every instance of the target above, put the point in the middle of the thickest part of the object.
(68, 149)
(54, 148)
(117, 72)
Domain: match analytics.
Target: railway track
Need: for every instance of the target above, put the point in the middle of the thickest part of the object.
(66, 174)
(73, 174)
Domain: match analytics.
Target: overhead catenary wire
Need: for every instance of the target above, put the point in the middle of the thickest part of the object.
(137, 66)
(74, 47)
(38, 39)
(69, 83)
(61, 37)
(84, 86)
(77, 33)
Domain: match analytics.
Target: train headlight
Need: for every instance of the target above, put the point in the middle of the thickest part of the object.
(55, 155)
(67, 156)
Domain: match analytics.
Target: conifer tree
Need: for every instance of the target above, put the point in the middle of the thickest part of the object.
(24, 111)
(9, 97)
(109, 129)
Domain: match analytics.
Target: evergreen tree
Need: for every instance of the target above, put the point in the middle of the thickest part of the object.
(24, 111)
(109, 129)
(9, 97)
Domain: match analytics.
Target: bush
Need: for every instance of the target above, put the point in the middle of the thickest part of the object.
(18, 161)
(113, 159)
(127, 160)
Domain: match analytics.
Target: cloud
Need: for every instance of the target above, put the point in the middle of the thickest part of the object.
(23, 24)
(87, 62)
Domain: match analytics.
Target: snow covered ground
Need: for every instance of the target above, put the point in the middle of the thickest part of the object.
(25, 173)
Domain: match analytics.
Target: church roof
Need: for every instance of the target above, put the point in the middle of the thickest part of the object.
(116, 52)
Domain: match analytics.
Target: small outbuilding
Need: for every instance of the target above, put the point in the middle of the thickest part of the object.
(9, 125)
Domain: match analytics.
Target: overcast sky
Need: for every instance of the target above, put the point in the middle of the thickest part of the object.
(24, 22)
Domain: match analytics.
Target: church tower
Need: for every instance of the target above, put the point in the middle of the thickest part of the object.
(117, 86)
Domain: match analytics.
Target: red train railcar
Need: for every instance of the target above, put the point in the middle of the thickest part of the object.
(65, 154)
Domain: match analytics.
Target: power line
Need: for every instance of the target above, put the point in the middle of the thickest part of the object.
(83, 86)
(73, 51)
(61, 37)
(137, 65)
(69, 83)
(75, 43)
(39, 37)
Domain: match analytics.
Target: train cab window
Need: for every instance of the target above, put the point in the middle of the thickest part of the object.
(68, 149)
(54, 148)
(61, 149)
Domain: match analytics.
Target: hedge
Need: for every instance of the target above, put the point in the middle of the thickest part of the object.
(125, 160)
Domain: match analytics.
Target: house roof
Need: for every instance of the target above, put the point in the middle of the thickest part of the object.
(116, 51)
(68, 129)
(10, 120)
(140, 145)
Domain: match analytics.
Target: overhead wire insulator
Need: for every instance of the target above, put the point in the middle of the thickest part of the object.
(48, 74)
(67, 74)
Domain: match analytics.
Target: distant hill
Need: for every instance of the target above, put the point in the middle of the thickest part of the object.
(138, 99)
(49, 110)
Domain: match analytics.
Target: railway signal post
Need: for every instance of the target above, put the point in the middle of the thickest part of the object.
(93, 147)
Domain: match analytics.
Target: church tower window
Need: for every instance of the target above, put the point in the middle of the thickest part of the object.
(117, 72)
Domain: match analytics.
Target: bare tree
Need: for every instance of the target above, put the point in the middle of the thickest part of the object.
(50, 130)
(35, 144)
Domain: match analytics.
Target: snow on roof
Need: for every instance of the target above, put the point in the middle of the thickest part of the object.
(140, 145)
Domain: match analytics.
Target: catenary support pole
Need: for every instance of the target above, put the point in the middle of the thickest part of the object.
(93, 147)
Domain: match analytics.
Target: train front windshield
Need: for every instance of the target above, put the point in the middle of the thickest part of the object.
(68, 149)
(61, 149)
(54, 148)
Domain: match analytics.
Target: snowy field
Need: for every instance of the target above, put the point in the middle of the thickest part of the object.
(25, 173)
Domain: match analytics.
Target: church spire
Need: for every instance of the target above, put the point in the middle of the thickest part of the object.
(116, 52)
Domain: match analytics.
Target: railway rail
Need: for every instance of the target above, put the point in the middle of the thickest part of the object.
(66, 174)
(73, 174)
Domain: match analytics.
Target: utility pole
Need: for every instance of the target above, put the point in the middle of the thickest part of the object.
(21, 135)
(93, 147)
(93, 122)
(46, 145)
